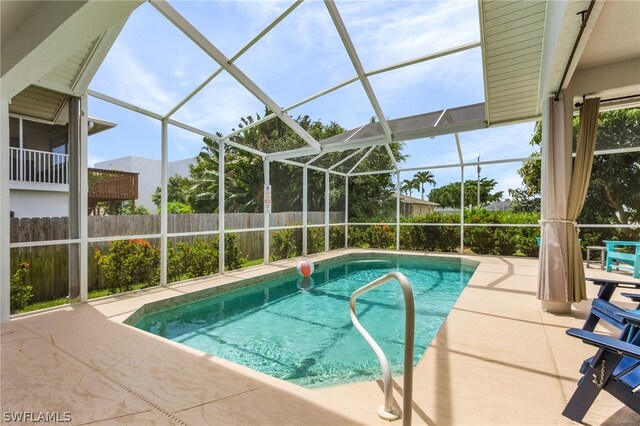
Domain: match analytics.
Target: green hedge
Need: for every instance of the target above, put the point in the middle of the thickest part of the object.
(443, 233)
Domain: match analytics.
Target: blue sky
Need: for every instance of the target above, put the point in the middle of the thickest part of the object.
(153, 65)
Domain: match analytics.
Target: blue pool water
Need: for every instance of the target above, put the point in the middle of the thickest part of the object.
(306, 337)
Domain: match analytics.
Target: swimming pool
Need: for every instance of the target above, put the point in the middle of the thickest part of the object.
(304, 335)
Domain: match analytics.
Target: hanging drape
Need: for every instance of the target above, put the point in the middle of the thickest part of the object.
(552, 264)
(578, 192)
(560, 270)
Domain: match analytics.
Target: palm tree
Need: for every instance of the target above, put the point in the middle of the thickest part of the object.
(424, 177)
(408, 186)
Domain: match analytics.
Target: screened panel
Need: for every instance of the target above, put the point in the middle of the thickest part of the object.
(501, 241)
(285, 243)
(306, 48)
(427, 27)
(222, 106)
(217, 20)
(40, 277)
(179, 66)
(444, 82)
(121, 266)
(124, 173)
(434, 238)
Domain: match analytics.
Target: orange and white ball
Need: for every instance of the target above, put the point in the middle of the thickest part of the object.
(305, 268)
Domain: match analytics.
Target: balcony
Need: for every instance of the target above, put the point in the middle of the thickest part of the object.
(41, 170)
(111, 185)
(28, 166)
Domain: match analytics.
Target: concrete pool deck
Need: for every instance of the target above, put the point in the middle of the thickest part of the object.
(497, 360)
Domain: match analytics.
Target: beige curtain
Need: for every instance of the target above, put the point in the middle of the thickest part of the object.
(560, 269)
(579, 185)
(552, 260)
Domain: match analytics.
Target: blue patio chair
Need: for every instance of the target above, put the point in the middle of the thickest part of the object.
(627, 261)
(615, 368)
(602, 308)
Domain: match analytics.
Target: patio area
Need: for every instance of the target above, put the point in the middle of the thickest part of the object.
(498, 359)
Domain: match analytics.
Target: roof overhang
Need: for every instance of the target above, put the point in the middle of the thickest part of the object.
(53, 42)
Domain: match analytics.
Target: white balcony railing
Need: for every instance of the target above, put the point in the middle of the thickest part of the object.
(30, 166)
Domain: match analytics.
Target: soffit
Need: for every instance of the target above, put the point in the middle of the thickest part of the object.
(615, 37)
(38, 102)
(512, 35)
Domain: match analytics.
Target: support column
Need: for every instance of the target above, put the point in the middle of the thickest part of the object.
(73, 142)
(557, 137)
(21, 166)
(346, 212)
(327, 180)
(84, 200)
(267, 211)
(398, 211)
(221, 195)
(164, 201)
(5, 223)
(305, 179)
(462, 209)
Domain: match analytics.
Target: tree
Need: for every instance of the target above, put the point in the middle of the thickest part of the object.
(424, 177)
(244, 180)
(407, 186)
(613, 195)
(177, 191)
(113, 208)
(449, 195)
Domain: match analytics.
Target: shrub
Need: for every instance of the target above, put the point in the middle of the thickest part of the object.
(232, 257)
(284, 244)
(315, 240)
(21, 291)
(176, 207)
(129, 263)
(336, 237)
(381, 236)
(187, 261)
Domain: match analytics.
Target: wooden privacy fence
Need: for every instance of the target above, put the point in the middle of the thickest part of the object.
(49, 265)
(57, 228)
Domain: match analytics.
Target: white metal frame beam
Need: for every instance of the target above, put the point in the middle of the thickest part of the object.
(362, 75)
(347, 158)
(357, 64)
(459, 147)
(5, 222)
(366, 154)
(201, 41)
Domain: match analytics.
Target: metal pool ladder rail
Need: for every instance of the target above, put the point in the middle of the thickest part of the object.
(386, 411)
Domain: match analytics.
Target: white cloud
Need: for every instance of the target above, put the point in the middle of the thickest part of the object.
(131, 81)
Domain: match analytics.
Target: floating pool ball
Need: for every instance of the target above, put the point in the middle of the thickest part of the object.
(305, 268)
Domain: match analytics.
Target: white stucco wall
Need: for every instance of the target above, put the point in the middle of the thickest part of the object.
(149, 174)
(181, 167)
(28, 203)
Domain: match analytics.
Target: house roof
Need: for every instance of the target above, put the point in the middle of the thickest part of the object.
(412, 200)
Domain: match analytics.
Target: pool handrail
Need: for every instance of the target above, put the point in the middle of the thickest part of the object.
(386, 410)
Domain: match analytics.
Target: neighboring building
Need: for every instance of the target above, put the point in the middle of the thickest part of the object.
(446, 210)
(149, 173)
(410, 206)
(39, 158)
(499, 206)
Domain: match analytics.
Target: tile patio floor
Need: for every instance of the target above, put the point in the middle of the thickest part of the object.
(497, 360)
